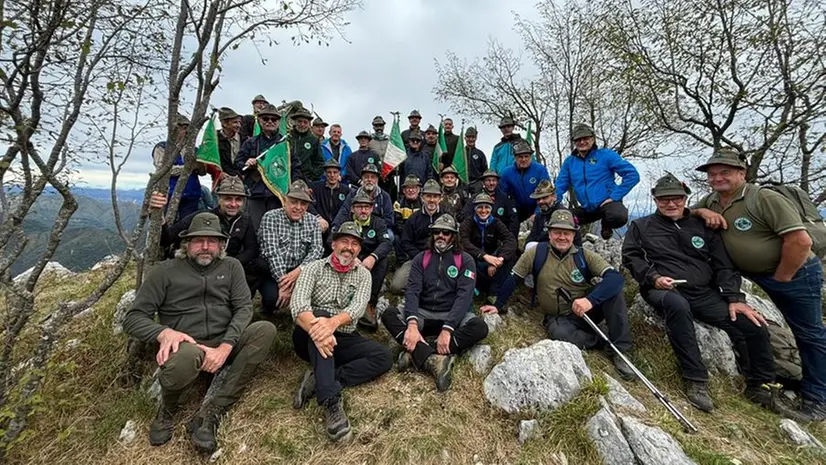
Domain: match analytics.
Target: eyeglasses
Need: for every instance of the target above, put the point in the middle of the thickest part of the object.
(443, 233)
(667, 200)
(268, 119)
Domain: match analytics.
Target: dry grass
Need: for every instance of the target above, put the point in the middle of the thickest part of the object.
(397, 419)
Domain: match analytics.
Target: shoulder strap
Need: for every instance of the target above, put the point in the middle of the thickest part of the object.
(457, 260)
(582, 265)
(538, 261)
(426, 258)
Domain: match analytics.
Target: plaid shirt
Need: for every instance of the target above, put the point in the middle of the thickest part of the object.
(287, 244)
(321, 288)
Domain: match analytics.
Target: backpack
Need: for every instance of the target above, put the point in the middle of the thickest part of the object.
(814, 223)
(787, 362)
(428, 254)
(539, 260)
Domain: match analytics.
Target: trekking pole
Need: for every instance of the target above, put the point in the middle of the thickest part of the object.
(687, 425)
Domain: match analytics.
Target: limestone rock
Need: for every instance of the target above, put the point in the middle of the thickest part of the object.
(607, 436)
(766, 308)
(129, 432)
(543, 376)
(53, 268)
(641, 308)
(216, 384)
(124, 305)
(652, 445)
(480, 357)
(619, 397)
(493, 320)
(527, 430)
(610, 250)
(798, 435)
(107, 261)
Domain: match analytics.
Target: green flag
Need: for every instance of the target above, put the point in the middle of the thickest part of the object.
(274, 166)
(460, 158)
(283, 127)
(529, 135)
(207, 152)
(256, 129)
(441, 147)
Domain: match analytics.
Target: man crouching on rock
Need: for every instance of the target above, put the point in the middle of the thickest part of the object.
(329, 298)
(558, 264)
(204, 310)
(438, 301)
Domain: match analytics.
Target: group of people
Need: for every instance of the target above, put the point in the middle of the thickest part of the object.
(324, 250)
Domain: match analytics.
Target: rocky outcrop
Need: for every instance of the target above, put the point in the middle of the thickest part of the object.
(51, 268)
(608, 439)
(494, 321)
(651, 445)
(798, 435)
(619, 397)
(124, 305)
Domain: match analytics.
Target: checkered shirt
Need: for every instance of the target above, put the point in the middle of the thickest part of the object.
(287, 244)
(320, 287)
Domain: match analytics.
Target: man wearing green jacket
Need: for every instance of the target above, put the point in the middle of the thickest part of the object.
(305, 146)
(204, 311)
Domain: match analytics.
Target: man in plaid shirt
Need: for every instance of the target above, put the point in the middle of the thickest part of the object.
(330, 296)
(288, 237)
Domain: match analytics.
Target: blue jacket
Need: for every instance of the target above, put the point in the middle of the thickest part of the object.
(501, 157)
(344, 154)
(192, 190)
(418, 163)
(592, 177)
(521, 184)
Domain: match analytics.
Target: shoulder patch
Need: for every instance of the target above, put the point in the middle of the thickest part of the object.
(470, 274)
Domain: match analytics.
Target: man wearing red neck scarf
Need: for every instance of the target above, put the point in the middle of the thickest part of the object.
(330, 296)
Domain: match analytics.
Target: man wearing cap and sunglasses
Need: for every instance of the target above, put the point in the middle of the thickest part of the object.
(417, 163)
(289, 237)
(438, 303)
(204, 312)
(591, 171)
(330, 297)
(259, 102)
(416, 233)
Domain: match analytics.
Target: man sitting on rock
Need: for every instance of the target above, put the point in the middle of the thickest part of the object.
(375, 247)
(673, 245)
(289, 237)
(558, 264)
(438, 302)
(416, 233)
(488, 240)
(330, 296)
(204, 312)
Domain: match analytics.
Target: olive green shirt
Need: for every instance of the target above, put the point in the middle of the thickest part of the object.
(753, 239)
(559, 273)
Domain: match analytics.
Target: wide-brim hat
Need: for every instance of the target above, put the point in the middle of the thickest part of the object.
(670, 186)
(225, 113)
(490, 174)
(181, 120)
(414, 114)
(562, 219)
(204, 224)
(269, 110)
(415, 135)
(444, 223)
(259, 98)
(302, 113)
(363, 135)
(331, 163)
(582, 130)
(728, 157)
(449, 170)
(543, 189)
(431, 129)
(522, 146)
(411, 181)
(432, 187)
(378, 121)
(231, 185)
(471, 131)
(482, 199)
(319, 122)
(370, 168)
(298, 190)
(506, 121)
(348, 228)
(362, 197)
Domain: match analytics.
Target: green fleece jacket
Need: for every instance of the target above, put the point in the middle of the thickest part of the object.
(209, 303)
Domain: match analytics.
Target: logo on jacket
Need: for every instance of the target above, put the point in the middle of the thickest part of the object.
(220, 277)
(697, 242)
(532, 180)
(592, 161)
(452, 271)
(341, 197)
(500, 211)
(475, 156)
(576, 276)
(370, 160)
(307, 145)
(371, 233)
(743, 224)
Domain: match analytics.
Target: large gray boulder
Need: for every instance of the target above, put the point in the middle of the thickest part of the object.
(52, 268)
(124, 305)
(543, 376)
(619, 397)
(607, 436)
(652, 445)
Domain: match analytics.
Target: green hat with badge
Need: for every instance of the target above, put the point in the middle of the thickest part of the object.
(319, 122)
(231, 185)
(432, 187)
(302, 113)
(431, 129)
(259, 98)
(490, 174)
(204, 224)
(411, 181)
(449, 170)
(725, 156)
(414, 114)
(471, 131)
(362, 197)
(348, 228)
(364, 135)
(225, 113)
(482, 199)
(299, 191)
(415, 135)
(669, 185)
(370, 168)
(331, 163)
(444, 223)
(562, 219)
(378, 121)
(522, 146)
(543, 189)
(506, 121)
(269, 110)
(581, 130)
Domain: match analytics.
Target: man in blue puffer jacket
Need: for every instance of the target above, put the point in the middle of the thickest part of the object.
(520, 180)
(501, 157)
(191, 195)
(591, 172)
(337, 149)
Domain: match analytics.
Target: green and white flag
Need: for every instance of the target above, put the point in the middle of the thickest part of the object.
(257, 128)
(441, 147)
(395, 153)
(207, 152)
(460, 158)
(274, 166)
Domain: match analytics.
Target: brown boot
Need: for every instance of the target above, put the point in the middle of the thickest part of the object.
(439, 366)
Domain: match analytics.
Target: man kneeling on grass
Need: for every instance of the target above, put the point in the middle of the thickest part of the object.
(204, 310)
(330, 296)
(438, 301)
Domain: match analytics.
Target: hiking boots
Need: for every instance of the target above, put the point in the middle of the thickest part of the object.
(623, 369)
(404, 362)
(306, 390)
(698, 395)
(813, 410)
(439, 366)
(203, 436)
(768, 396)
(338, 426)
(368, 320)
(160, 432)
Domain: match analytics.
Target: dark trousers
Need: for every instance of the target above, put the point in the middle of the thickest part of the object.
(681, 307)
(613, 215)
(800, 301)
(523, 212)
(377, 274)
(257, 206)
(491, 285)
(573, 329)
(355, 360)
(470, 331)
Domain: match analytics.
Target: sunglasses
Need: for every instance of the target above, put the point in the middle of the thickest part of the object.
(667, 200)
(268, 119)
(443, 233)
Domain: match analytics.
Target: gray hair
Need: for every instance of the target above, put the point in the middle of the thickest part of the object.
(181, 254)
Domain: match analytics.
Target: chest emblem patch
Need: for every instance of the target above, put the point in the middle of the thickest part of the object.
(371, 233)
(475, 156)
(697, 242)
(532, 180)
(592, 161)
(307, 145)
(452, 271)
(370, 160)
(743, 224)
(500, 211)
(576, 276)
(341, 197)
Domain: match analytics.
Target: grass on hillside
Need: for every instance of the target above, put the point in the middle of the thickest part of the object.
(397, 419)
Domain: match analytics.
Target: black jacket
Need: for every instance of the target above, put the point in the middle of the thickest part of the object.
(493, 239)
(307, 150)
(418, 163)
(382, 207)
(415, 234)
(328, 201)
(684, 249)
(477, 164)
(356, 162)
(503, 209)
(375, 240)
(247, 127)
(442, 288)
(225, 152)
(406, 135)
(402, 210)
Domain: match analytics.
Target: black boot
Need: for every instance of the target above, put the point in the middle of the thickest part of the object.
(439, 366)
(623, 369)
(160, 432)
(338, 426)
(769, 396)
(404, 362)
(698, 395)
(203, 436)
(306, 390)
(813, 410)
